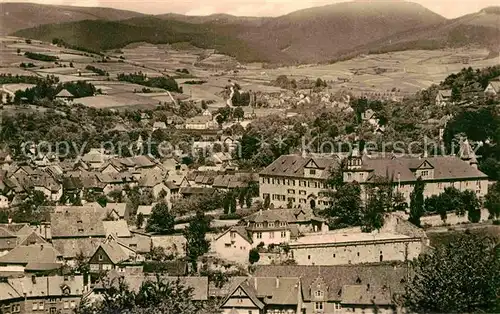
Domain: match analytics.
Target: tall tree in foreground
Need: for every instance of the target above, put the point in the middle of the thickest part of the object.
(492, 201)
(417, 202)
(161, 220)
(346, 210)
(462, 276)
(197, 245)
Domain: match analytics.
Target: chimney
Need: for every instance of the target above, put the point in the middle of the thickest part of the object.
(277, 282)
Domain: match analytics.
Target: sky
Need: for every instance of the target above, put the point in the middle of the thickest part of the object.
(446, 8)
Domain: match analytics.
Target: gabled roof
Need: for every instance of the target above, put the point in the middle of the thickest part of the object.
(249, 290)
(445, 93)
(495, 85)
(366, 294)
(337, 277)
(64, 93)
(117, 228)
(294, 165)
(146, 210)
(41, 253)
(77, 221)
(241, 230)
(119, 208)
(114, 251)
(50, 286)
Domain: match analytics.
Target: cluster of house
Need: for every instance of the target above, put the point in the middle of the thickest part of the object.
(40, 265)
(99, 173)
(492, 90)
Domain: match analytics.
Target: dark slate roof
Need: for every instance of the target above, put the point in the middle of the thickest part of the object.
(294, 165)
(336, 277)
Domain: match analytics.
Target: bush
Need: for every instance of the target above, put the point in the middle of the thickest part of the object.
(40, 56)
(253, 256)
(230, 216)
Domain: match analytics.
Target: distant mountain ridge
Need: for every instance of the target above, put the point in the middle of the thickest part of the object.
(311, 35)
(20, 15)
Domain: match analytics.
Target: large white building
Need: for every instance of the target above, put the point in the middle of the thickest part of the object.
(301, 181)
(297, 180)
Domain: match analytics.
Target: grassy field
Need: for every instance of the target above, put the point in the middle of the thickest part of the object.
(407, 71)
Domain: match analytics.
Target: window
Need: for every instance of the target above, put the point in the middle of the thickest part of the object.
(318, 306)
(315, 184)
(53, 310)
(41, 306)
(349, 176)
(271, 235)
(35, 306)
(73, 304)
(334, 255)
(283, 234)
(100, 257)
(233, 234)
(272, 181)
(302, 192)
(308, 256)
(227, 244)
(290, 191)
(282, 224)
(259, 235)
(312, 172)
(250, 312)
(293, 182)
(424, 173)
(319, 294)
(268, 180)
(358, 254)
(258, 225)
(270, 224)
(66, 304)
(337, 306)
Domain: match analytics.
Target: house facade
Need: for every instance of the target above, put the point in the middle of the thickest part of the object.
(437, 173)
(297, 181)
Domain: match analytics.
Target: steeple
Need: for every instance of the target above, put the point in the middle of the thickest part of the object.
(466, 153)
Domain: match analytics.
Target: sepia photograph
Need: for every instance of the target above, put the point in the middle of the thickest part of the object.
(249, 156)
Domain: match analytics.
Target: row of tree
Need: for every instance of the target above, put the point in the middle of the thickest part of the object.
(163, 82)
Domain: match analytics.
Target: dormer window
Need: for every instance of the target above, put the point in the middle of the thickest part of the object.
(258, 225)
(270, 224)
(319, 294)
(282, 224)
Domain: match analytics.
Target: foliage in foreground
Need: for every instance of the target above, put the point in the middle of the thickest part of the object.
(462, 276)
(156, 295)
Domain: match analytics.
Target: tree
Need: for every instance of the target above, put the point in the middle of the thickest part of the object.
(253, 256)
(238, 113)
(346, 208)
(161, 220)
(267, 202)
(197, 245)
(204, 105)
(492, 200)
(378, 203)
(417, 202)
(462, 276)
(139, 221)
(471, 205)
